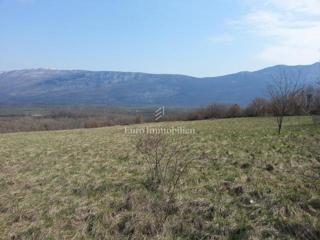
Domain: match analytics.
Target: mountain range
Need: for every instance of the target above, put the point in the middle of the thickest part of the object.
(79, 87)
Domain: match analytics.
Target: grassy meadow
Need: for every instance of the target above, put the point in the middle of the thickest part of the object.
(247, 183)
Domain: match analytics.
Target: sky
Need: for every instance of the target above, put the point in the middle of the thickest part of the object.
(192, 37)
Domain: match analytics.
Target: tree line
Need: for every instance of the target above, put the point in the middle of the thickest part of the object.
(287, 97)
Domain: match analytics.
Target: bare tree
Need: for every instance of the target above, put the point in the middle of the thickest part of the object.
(283, 90)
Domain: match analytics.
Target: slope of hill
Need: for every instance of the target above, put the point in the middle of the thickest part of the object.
(69, 87)
(248, 183)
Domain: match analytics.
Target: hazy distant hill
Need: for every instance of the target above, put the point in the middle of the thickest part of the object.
(45, 86)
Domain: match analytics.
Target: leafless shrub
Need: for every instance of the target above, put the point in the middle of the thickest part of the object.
(91, 124)
(316, 106)
(168, 161)
(234, 111)
(315, 102)
(258, 107)
(299, 104)
(139, 119)
(214, 111)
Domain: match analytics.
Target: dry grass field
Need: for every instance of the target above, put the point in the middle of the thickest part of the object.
(247, 183)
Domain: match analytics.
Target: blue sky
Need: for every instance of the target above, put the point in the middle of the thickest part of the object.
(194, 37)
